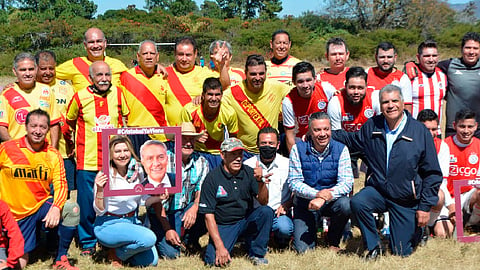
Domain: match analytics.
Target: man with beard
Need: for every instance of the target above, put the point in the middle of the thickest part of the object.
(386, 73)
(23, 96)
(337, 54)
(429, 83)
(257, 102)
(304, 99)
(280, 65)
(216, 121)
(463, 87)
(92, 109)
(274, 168)
(321, 177)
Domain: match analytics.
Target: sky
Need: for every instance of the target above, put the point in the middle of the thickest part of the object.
(290, 7)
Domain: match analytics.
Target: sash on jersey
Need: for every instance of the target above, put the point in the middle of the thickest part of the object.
(82, 66)
(249, 108)
(177, 88)
(15, 100)
(143, 94)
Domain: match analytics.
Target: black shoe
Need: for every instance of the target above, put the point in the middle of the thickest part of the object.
(374, 254)
(425, 236)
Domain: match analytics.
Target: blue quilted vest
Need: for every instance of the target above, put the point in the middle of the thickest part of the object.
(319, 175)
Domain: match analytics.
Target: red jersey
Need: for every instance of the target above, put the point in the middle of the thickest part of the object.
(337, 81)
(353, 117)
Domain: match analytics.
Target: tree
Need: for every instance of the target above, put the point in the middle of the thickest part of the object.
(248, 9)
(270, 9)
(210, 9)
(70, 8)
(176, 7)
(467, 15)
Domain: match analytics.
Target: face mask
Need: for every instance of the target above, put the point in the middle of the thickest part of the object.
(267, 152)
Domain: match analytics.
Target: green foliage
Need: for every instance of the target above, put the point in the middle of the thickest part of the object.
(249, 9)
(52, 9)
(175, 7)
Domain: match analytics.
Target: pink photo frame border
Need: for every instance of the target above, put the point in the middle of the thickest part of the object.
(457, 184)
(140, 189)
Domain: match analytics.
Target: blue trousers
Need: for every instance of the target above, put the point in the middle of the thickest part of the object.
(165, 248)
(404, 233)
(85, 182)
(70, 167)
(255, 226)
(306, 223)
(132, 242)
(282, 229)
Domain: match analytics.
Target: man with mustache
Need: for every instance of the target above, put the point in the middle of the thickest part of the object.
(429, 83)
(26, 95)
(280, 65)
(257, 102)
(226, 199)
(463, 81)
(320, 176)
(98, 106)
(214, 119)
(386, 73)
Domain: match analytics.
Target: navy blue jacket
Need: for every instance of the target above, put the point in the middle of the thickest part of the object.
(414, 175)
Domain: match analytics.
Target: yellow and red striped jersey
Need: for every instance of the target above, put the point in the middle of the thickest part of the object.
(226, 118)
(63, 94)
(16, 103)
(76, 70)
(25, 177)
(90, 113)
(282, 72)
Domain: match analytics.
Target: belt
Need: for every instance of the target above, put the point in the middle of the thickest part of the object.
(130, 214)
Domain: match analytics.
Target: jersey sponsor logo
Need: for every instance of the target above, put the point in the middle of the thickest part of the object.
(458, 72)
(61, 101)
(321, 105)
(45, 91)
(17, 99)
(221, 192)
(368, 113)
(39, 173)
(453, 159)
(44, 104)
(21, 116)
(473, 158)
(352, 127)
(456, 170)
(102, 122)
(347, 117)
(303, 120)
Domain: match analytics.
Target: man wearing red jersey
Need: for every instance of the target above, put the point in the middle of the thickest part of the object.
(306, 98)
(386, 73)
(337, 54)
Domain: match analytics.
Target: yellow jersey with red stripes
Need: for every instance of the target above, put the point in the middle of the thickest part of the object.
(182, 87)
(283, 71)
(90, 113)
(255, 111)
(16, 103)
(224, 121)
(76, 70)
(26, 176)
(237, 75)
(63, 94)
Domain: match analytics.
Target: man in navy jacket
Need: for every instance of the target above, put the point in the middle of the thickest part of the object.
(403, 175)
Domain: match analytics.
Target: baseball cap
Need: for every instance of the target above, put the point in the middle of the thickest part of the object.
(188, 129)
(231, 144)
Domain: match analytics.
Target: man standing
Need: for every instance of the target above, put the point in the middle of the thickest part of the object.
(274, 167)
(321, 177)
(386, 73)
(337, 54)
(304, 99)
(257, 102)
(182, 208)
(92, 109)
(404, 174)
(280, 65)
(226, 200)
(185, 79)
(26, 95)
(463, 76)
(76, 70)
(237, 75)
(29, 168)
(216, 121)
(429, 83)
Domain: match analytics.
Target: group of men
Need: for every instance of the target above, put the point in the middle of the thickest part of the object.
(234, 182)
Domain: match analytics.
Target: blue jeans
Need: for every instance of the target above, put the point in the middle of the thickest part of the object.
(165, 249)
(255, 226)
(282, 229)
(404, 232)
(85, 182)
(306, 223)
(70, 167)
(132, 242)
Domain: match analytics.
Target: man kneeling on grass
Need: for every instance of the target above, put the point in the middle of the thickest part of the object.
(227, 201)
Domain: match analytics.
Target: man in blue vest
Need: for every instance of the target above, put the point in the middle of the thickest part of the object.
(320, 175)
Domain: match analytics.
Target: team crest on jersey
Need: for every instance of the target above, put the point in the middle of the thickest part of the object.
(21, 116)
(440, 84)
(368, 113)
(322, 105)
(63, 83)
(453, 159)
(221, 192)
(102, 122)
(45, 91)
(473, 158)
